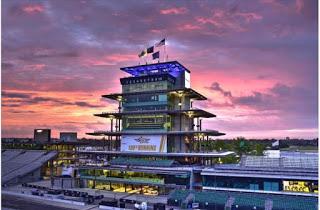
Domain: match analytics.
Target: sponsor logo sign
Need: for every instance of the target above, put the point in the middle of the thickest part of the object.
(144, 143)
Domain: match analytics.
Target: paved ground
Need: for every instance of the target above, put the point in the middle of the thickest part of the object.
(20, 201)
(17, 203)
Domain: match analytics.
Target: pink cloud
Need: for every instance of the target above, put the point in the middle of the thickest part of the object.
(289, 7)
(189, 27)
(225, 20)
(174, 11)
(247, 49)
(299, 5)
(249, 16)
(110, 59)
(34, 8)
(37, 67)
(55, 110)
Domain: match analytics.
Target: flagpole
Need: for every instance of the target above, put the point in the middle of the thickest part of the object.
(164, 54)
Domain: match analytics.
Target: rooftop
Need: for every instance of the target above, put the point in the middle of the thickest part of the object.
(171, 67)
(309, 162)
(260, 166)
(157, 154)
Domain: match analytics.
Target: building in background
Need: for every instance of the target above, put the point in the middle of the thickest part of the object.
(42, 135)
(68, 136)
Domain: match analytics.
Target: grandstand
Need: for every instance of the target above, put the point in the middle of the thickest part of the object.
(243, 201)
(23, 165)
(288, 175)
(302, 161)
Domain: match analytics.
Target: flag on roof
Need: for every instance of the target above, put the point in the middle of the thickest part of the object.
(143, 53)
(156, 55)
(161, 43)
(150, 50)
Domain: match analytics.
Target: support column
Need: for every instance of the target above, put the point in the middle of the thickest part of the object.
(119, 107)
(193, 144)
(111, 125)
(200, 144)
(191, 180)
(117, 128)
(198, 124)
(208, 144)
(180, 124)
(51, 173)
(108, 143)
(95, 178)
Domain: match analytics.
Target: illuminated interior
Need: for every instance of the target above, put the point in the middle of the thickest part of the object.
(300, 186)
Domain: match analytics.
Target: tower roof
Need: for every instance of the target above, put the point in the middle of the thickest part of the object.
(170, 67)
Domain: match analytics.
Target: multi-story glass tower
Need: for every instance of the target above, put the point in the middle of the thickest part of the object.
(156, 112)
(156, 125)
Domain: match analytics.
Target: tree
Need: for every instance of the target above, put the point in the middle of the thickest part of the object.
(259, 148)
(241, 146)
(219, 145)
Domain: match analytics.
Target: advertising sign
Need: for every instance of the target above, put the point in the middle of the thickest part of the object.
(299, 186)
(144, 143)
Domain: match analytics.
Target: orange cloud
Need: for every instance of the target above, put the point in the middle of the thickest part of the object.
(174, 11)
(75, 113)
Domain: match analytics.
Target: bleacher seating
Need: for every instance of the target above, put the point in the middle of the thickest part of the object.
(177, 197)
(261, 161)
(213, 199)
(8, 155)
(300, 162)
(18, 163)
(141, 162)
(285, 162)
(20, 160)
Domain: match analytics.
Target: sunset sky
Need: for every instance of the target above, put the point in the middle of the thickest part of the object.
(256, 61)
